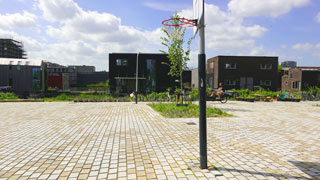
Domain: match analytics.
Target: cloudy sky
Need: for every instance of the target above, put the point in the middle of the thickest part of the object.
(80, 32)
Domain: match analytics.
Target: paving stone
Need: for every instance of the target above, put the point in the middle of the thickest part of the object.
(60, 140)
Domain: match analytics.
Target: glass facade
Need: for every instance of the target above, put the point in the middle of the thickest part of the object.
(36, 79)
(151, 75)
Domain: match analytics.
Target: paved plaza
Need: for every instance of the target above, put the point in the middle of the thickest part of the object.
(64, 140)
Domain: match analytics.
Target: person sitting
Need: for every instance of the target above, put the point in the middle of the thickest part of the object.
(132, 96)
(219, 90)
(213, 93)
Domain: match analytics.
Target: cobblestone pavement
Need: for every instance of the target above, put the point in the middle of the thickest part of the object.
(278, 140)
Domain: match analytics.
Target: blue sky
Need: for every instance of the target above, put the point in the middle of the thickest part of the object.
(85, 32)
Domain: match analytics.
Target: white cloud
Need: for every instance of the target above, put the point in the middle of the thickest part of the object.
(17, 20)
(313, 49)
(29, 43)
(303, 46)
(273, 8)
(59, 10)
(93, 34)
(226, 33)
(318, 17)
(166, 6)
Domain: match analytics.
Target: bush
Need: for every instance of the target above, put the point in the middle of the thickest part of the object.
(172, 110)
(8, 96)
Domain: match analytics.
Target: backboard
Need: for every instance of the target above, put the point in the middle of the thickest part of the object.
(197, 12)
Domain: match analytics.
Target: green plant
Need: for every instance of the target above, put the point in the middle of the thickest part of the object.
(172, 110)
(178, 91)
(174, 41)
(8, 96)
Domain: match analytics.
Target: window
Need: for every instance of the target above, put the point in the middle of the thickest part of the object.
(211, 67)
(121, 62)
(296, 85)
(265, 83)
(124, 62)
(230, 82)
(286, 83)
(27, 63)
(18, 68)
(290, 74)
(266, 66)
(231, 66)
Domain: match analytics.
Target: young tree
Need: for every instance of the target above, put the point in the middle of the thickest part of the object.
(174, 41)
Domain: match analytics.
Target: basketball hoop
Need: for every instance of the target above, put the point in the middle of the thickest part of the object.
(181, 22)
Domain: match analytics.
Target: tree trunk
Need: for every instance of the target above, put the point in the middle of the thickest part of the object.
(181, 86)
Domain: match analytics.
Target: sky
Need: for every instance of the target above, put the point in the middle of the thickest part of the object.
(82, 32)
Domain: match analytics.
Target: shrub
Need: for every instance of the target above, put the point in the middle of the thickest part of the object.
(8, 96)
(172, 110)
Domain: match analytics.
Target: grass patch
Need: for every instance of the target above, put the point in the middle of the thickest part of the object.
(4, 96)
(317, 105)
(65, 97)
(171, 110)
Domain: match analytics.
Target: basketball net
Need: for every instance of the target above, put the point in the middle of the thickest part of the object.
(175, 32)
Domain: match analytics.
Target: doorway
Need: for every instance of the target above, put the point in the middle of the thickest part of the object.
(246, 83)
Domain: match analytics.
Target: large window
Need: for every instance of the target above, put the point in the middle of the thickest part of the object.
(290, 74)
(36, 77)
(296, 85)
(151, 75)
(231, 66)
(230, 82)
(211, 67)
(121, 62)
(266, 66)
(265, 83)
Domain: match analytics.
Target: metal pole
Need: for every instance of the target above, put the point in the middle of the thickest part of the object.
(202, 95)
(137, 71)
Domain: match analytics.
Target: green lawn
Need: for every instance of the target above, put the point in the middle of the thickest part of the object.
(171, 110)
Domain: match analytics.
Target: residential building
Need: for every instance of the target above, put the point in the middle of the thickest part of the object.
(25, 76)
(243, 72)
(152, 73)
(61, 77)
(300, 78)
(97, 77)
(83, 68)
(289, 64)
(10, 48)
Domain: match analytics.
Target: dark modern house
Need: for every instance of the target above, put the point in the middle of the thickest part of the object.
(96, 77)
(243, 72)
(25, 76)
(300, 78)
(152, 73)
(10, 48)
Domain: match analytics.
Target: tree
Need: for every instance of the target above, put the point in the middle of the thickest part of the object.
(177, 56)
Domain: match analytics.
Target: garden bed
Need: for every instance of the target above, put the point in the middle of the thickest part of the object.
(172, 110)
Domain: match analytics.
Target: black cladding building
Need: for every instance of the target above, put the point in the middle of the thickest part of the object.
(152, 73)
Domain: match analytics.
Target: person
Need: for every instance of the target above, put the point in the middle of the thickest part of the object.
(219, 90)
(132, 96)
(213, 93)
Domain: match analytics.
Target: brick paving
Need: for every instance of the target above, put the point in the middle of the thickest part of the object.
(278, 140)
